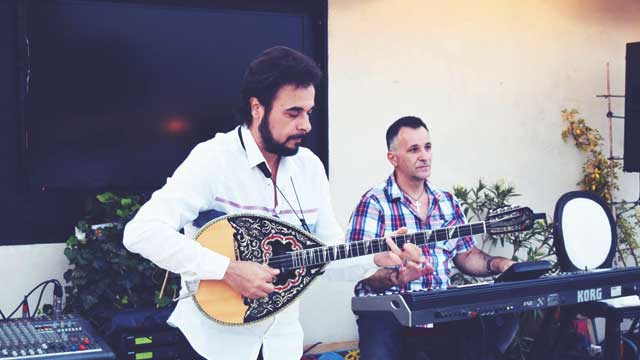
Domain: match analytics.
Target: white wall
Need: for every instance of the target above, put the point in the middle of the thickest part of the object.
(25, 266)
(489, 77)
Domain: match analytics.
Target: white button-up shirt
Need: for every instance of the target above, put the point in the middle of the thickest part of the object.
(220, 177)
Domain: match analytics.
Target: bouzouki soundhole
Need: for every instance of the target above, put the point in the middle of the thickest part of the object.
(258, 239)
(278, 245)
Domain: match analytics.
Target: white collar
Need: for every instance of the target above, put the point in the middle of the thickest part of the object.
(254, 155)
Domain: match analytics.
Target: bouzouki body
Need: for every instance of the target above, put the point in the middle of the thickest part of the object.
(255, 238)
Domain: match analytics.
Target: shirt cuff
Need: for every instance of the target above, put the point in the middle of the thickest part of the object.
(213, 266)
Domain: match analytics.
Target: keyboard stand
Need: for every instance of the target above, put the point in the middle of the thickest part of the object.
(615, 312)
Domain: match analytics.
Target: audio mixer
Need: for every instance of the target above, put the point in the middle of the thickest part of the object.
(67, 337)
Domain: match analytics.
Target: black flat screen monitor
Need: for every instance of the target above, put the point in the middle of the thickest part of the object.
(120, 92)
(114, 94)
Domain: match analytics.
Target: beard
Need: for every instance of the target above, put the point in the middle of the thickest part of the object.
(270, 143)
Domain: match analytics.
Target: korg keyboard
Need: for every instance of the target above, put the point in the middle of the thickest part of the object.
(68, 337)
(420, 308)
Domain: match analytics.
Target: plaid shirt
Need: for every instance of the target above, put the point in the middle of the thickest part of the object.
(385, 208)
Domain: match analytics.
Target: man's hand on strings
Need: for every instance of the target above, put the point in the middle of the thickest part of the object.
(250, 279)
(412, 270)
(411, 260)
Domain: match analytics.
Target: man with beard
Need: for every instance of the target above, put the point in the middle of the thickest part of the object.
(252, 168)
(407, 199)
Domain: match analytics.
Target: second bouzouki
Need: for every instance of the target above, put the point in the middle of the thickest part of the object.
(300, 257)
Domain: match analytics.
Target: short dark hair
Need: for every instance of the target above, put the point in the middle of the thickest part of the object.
(274, 68)
(405, 121)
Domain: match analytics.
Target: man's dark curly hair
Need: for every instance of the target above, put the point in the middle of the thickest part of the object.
(273, 69)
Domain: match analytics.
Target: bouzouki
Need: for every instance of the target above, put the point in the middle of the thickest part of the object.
(301, 257)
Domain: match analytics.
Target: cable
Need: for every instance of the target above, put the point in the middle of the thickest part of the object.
(57, 299)
(40, 298)
(311, 347)
(57, 295)
(302, 220)
(24, 304)
(484, 337)
(25, 308)
(14, 311)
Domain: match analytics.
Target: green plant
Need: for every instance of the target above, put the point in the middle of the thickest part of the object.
(104, 277)
(476, 202)
(601, 177)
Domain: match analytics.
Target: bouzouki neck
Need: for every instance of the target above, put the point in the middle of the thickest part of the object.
(324, 254)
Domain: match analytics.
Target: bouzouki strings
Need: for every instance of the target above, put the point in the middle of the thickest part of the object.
(320, 255)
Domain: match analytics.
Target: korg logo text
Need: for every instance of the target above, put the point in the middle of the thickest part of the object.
(589, 295)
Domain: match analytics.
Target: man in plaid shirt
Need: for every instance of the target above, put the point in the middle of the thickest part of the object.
(407, 201)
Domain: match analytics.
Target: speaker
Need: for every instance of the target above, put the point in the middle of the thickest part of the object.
(632, 109)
